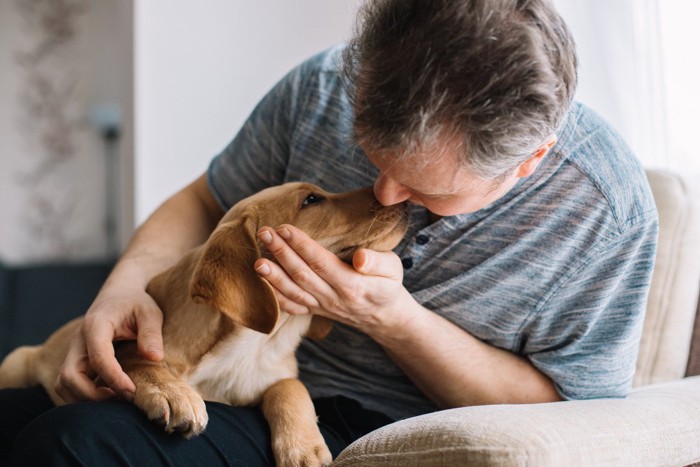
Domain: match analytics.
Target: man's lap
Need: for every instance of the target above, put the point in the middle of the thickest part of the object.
(118, 433)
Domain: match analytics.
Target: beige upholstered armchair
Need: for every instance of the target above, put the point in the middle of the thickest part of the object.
(658, 424)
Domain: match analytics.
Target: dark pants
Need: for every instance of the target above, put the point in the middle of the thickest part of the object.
(33, 432)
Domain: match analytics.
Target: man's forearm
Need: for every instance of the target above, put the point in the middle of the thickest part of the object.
(455, 369)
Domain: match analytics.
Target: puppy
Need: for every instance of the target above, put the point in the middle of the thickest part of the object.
(224, 336)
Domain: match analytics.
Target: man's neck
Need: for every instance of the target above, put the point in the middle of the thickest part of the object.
(434, 217)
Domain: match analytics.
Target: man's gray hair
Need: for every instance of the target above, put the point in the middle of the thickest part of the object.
(494, 77)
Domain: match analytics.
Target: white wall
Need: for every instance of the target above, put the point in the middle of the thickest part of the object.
(200, 69)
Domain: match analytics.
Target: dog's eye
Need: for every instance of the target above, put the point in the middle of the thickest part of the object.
(312, 199)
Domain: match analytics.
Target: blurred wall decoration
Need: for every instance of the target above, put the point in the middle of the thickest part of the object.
(59, 59)
(49, 119)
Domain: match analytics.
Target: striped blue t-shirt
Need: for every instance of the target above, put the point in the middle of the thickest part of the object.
(557, 270)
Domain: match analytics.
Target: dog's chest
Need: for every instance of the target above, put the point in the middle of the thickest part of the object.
(239, 370)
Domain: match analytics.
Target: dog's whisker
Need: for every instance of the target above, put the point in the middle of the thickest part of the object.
(371, 224)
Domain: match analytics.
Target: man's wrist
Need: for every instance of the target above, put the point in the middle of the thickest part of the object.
(397, 324)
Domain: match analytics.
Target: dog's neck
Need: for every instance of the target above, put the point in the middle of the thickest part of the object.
(239, 369)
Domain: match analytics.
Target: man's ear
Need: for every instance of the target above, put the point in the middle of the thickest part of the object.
(224, 278)
(528, 167)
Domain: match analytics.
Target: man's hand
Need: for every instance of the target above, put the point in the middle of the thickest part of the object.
(123, 310)
(368, 295)
(111, 317)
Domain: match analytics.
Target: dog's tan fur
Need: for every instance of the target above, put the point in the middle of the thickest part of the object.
(225, 338)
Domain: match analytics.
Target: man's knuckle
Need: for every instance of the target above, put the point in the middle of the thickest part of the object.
(61, 390)
(62, 380)
(149, 333)
(64, 383)
(300, 276)
(277, 250)
(88, 322)
(351, 292)
(335, 303)
(298, 297)
(318, 265)
(98, 361)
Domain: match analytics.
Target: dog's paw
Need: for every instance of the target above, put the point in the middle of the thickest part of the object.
(301, 450)
(176, 406)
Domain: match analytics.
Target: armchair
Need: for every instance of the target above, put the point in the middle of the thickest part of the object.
(658, 424)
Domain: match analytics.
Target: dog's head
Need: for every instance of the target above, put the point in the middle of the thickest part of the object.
(224, 277)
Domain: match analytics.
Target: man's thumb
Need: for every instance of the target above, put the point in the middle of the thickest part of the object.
(150, 337)
(377, 263)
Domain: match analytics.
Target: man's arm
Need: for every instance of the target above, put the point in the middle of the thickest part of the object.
(123, 310)
(448, 364)
(455, 369)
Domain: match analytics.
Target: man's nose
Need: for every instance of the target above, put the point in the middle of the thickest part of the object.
(388, 191)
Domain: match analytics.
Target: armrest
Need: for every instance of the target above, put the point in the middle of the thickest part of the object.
(656, 425)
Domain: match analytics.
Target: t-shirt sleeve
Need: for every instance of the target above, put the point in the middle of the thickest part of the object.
(257, 157)
(586, 335)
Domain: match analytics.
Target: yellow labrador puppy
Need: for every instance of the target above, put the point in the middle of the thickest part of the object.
(225, 338)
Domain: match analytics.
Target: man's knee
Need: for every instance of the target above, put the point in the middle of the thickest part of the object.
(75, 434)
(118, 433)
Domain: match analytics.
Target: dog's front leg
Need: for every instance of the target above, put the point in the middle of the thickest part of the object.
(296, 439)
(166, 399)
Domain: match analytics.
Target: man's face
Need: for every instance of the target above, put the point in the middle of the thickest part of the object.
(443, 185)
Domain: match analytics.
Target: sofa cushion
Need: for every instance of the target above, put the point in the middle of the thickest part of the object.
(656, 425)
(673, 296)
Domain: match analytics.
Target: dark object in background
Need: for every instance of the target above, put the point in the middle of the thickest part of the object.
(36, 300)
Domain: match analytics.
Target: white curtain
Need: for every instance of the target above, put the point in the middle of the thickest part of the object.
(636, 65)
(680, 39)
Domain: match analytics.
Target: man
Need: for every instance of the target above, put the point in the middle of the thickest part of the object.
(523, 277)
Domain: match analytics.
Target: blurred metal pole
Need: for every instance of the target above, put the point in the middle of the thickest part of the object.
(107, 118)
(112, 188)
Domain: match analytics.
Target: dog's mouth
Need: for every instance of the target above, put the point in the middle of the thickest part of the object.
(385, 239)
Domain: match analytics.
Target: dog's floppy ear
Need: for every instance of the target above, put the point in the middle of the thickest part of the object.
(224, 278)
(320, 327)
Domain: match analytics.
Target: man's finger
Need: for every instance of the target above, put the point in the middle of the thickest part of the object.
(299, 270)
(288, 292)
(150, 336)
(321, 261)
(378, 263)
(291, 307)
(100, 351)
(73, 383)
(80, 387)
